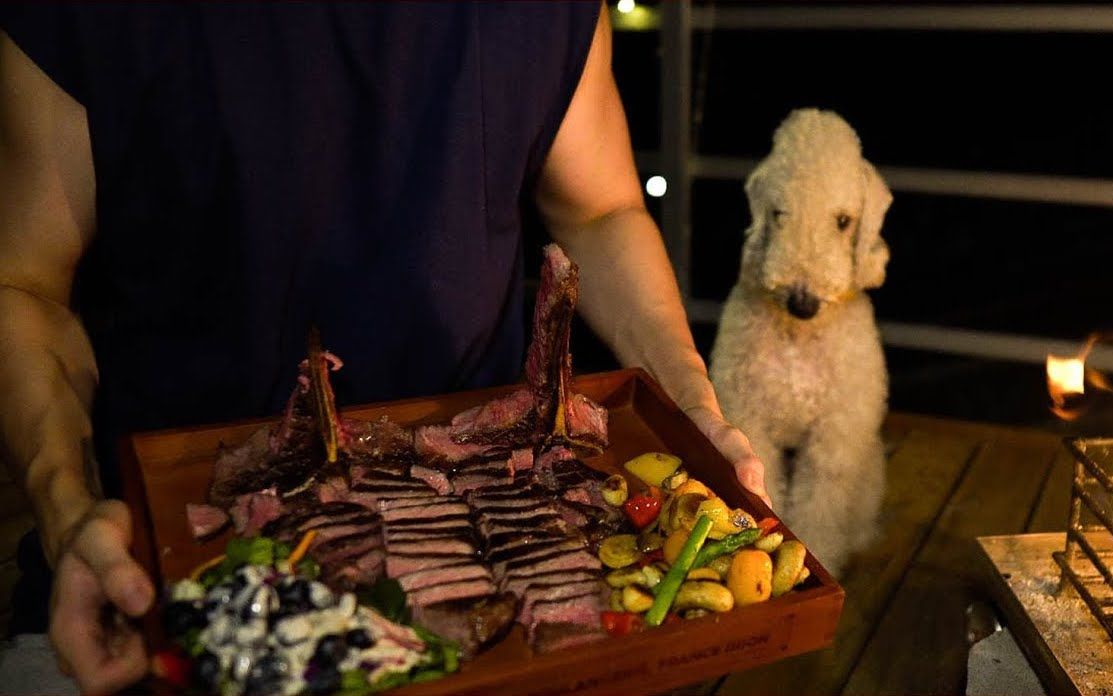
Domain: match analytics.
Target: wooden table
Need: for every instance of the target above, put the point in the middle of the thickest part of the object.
(903, 627)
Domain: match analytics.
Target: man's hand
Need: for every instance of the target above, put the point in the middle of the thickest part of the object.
(94, 577)
(735, 447)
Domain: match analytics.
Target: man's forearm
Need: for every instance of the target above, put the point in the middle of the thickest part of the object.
(630, 298)
(47, 377)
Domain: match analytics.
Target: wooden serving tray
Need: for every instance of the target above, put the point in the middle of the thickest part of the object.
(165, 470)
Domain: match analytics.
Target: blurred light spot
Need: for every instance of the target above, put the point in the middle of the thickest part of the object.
(626, 6)
(656, 186)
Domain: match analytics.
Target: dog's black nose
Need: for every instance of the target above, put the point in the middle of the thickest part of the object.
(802, 304)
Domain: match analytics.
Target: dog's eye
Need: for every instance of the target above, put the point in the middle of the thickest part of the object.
(843, 221)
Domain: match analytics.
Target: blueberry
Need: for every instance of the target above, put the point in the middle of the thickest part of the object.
(206, 672)
(320, 680)
(330, 650)
(267, 675)
(180, 617)
(294, 596)
(359, 638)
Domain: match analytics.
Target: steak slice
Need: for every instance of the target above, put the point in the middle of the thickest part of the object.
(535, 555)
(433, 478)
(398, 564)
(431, 499)
(582, 610)
(468, 623)
(559, 636)
(518, 586)
(364, 570)
(538, 594)
(205, 520)
(252, 511)
(433, 546)
(571, 560)
(442, 575)
(448, 592)
(528, 544)
(426, 512)
(340, 549)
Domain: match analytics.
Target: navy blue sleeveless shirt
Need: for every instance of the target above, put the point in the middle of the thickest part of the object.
(261, 168)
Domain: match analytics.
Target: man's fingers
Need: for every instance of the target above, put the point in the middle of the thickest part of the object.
(82, 641)
(102, 543)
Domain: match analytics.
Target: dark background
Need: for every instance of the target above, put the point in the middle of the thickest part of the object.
(1022, 102)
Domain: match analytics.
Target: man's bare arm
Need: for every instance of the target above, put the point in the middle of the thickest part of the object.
(48, 374)
(590, 198)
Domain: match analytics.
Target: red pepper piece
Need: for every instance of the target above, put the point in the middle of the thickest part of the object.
(171, 665)
(621, 623)
(642, 510)
(651, 557)
(768, 524)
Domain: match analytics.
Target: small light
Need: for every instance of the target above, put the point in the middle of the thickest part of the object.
(656, 186)
(626, 6)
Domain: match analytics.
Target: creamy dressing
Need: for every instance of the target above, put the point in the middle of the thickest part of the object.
(238, 613)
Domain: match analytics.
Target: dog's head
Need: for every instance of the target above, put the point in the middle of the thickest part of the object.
(817, 208)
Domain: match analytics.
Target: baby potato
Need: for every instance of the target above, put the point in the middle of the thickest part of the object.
(673, 544)
(790, 561)
(769, 542)
(704, 595)
(750, 578)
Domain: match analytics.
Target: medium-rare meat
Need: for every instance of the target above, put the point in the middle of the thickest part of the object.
(468, 623)
(448, 592)
(364, 570)
(560, 636)
(398, 564)
(251, 512)
(582, 610)
(554, 593)
(342, 548)
(520, 460)
(440, 525)
(397, 503)
(569, 561)
(519, 585)
(522, 546)
(442, 575)
(433, 478)
(433, 546)
(205, 520)
(437, 510)
(532, 555)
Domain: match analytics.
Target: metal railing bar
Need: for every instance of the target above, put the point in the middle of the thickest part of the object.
(990, 345)
(1033, 188)
(1070, 18)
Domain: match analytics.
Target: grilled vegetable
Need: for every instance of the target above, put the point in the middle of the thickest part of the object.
(650, 540)
(621, 623)
(769, 542)
(653, 575)
(804, 574)
(619, 551)
(722, 517)
(615, 601)
(636, 599)
(615, 490)
(653, 467)
(721, 565)
(666, 591)
(672, 482)
(704, 595)
(750, 578)
(682, 511)
(704, 574)
(787, 567)
(673, 544)
(726, 546)
(625, 576)
(642, 510)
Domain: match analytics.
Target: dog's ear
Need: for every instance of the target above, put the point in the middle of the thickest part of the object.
(756, 185)
(871, 252)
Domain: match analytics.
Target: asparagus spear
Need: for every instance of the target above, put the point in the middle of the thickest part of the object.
(726, 545)
(667, 589)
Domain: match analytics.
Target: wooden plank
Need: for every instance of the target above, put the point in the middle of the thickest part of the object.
(1053, 508)
(947, 426)
(1066, 646)
(919, 646)
(922, 474)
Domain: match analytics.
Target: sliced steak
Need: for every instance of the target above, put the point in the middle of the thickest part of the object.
(519, 585)
(252, 511)
(425, 512)
(364, 570)
(433, 546)
(340, 549)
(559, 636)
(378, 439)
(520, 460)
(554, 593)
(535, 555)
(582, 610)
(433, 478)
(205, 520)
(431, 499)
(432, 526)
(468, 623)
(572, 560)
(448, 592)
(398, 565)
(526, 544)
(442, 575)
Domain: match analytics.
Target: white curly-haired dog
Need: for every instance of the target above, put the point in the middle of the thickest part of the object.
(797, 363)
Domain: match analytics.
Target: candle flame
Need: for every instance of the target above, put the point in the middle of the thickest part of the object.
(1067, 378)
